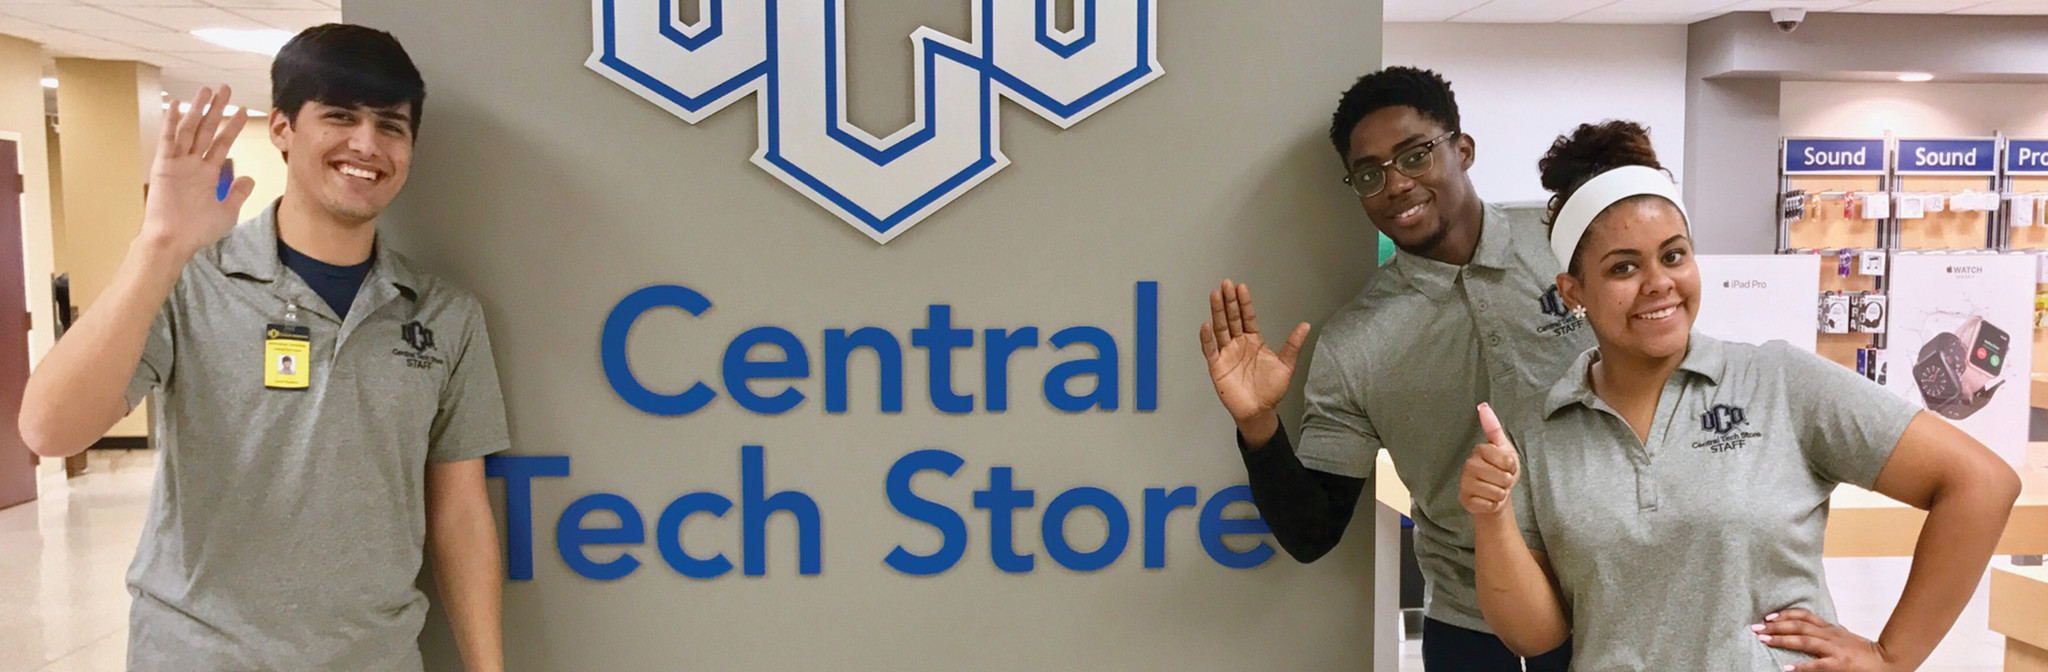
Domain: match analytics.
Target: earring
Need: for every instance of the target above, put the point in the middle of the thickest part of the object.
(1579, 312)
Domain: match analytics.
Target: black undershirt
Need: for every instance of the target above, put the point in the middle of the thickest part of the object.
(1306, 509)
(337, 285)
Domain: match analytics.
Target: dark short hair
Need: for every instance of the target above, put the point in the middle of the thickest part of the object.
(1423, 90)
(345, 66)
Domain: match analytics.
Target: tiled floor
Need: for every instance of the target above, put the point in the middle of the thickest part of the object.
(63, 607)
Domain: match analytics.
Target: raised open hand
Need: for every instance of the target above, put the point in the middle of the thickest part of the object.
(183, 211)
(1250, 379)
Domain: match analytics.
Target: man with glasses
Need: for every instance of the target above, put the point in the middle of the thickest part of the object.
(1458, 318)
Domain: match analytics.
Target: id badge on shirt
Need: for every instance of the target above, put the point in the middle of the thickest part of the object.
(287, 357)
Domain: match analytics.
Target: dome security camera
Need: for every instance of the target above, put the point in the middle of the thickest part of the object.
(1788, 18)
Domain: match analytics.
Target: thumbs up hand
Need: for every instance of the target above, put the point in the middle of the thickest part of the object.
(1491, 471)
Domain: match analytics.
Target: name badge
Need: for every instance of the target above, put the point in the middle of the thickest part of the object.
(287, 357)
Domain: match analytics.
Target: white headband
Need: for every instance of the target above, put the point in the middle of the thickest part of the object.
(1602, 191)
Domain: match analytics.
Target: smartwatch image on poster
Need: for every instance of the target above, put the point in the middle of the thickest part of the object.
(1986, 355)
(1955, 369)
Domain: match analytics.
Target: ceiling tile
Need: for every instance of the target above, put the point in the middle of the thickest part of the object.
(293, 20)
(116, 4)
(1652, 17)
(1528, 11)
(172, 60)
(1910, 6)
(72, 42)
(269, 4)
(229, 60)
(2009, 7)
(1426, 11)
(1654, 11)
(185, 19)
(22, 28)
(160, 40)
(1808, 5)
(74, 17)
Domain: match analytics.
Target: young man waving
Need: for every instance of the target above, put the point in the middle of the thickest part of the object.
(322, 406)
(1465, 312)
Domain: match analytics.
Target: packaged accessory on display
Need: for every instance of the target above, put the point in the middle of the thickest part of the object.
(1934, 202)
(1912, 206)
(1845, 259)
(1834, 313)
(1870, 262)
(2022, 211)
(1877, 206)
(1869, 312)
(1794, 205)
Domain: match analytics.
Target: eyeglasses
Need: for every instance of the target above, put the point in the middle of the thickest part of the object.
(1369, 180)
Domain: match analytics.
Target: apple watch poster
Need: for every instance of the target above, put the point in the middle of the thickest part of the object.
(1961, 329)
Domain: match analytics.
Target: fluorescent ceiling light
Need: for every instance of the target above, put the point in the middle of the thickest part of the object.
(1915, 76)
(264, 41)
(49, 82)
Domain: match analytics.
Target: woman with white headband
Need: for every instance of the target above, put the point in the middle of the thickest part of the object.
(1668, 513)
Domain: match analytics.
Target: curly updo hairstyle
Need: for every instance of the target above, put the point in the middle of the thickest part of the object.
(1585, 153)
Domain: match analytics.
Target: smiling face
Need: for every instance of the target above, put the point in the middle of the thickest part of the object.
(1637, 280)
(350, 162)
(1416, 212)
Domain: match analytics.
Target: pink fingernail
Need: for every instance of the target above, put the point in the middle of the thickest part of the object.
(1763, 638)
(1770, 617)
(1788, 668)
(1756, 628)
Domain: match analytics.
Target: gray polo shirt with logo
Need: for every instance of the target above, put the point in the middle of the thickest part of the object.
(1668, 550)
(1406, 364)
(286, 527)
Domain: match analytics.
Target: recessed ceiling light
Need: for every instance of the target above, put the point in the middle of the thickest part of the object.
(1915, 76)
(49, 82)
(264, 41)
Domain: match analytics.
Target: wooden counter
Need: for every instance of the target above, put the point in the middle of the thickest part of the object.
(2019, 610)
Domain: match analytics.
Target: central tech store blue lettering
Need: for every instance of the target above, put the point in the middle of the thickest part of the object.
(790, 360)
(577, 538)
(600, 536)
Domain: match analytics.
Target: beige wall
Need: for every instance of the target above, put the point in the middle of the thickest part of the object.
(256, 158)
(1924, 109)
(21, 114)
(99, 124)
(106, 109)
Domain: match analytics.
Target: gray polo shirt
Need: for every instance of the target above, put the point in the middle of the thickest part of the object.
(1406, 364)
(286, 527)
(1667, 551)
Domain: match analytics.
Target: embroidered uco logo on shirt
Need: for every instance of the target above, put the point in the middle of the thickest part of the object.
(1564, 321)
(1725, 422)
(421, 339)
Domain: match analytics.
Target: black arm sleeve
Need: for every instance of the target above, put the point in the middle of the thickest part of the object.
(1307, 510)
